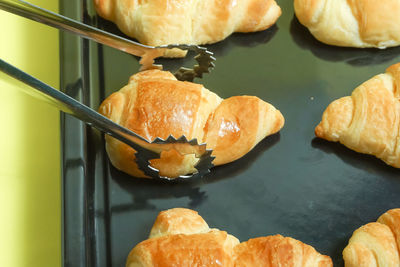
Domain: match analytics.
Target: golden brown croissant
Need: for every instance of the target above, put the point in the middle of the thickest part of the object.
(180, 237)
(276, 251)
(160, 22)
(375, 244)
(368, 120)
(353, 23)
(154, 104)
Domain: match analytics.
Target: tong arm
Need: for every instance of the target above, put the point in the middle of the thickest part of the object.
(30, 11)
(78, 110)
(145, 150)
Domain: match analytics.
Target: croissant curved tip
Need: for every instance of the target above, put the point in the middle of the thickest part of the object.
(103, 8)
(319, 132)
(280, 122)
(305, 10)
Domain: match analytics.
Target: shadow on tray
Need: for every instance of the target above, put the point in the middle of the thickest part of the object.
(143, 191)
(239, 166)
(219, 49)
(244, 40)
(361, 161)
(352, 56)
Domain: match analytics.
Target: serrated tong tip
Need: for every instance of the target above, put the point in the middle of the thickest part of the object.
(202, 167)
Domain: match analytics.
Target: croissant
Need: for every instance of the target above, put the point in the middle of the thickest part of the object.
(160, 22)
(180, 237)
(375, 244)
(368, 120)
(352, 23)
(154, 104)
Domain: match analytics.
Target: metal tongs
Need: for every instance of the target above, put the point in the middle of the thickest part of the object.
(147, 53)
(145, 150)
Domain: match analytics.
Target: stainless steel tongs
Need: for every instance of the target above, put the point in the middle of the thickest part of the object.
(147, 53)
(145, 150)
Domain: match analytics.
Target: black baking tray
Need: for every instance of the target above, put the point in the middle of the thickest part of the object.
(291, 183)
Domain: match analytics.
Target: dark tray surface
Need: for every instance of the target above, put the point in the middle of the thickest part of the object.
(291, 183)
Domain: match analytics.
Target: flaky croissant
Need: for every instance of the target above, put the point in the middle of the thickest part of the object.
(368, 121)
(375, 244)
(352, 23)
(180, 237)
(160, 22)
(154, 104)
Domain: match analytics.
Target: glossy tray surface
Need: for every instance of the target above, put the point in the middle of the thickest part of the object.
(291, 183)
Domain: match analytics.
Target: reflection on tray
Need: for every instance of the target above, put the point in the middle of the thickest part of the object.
(143, 191)
(352, 56)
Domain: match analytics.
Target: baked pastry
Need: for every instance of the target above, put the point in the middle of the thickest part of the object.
(154, 104)
(160, 22)
(276, 251)
(180, 237)
(375, 244)
(368, 120)
(352, 23)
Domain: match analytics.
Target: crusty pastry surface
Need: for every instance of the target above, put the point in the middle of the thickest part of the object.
(184, 239)
(368, 120)
(154, 104)
(375, 244)
(160, 22)
(276, 251)
(352, 23)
